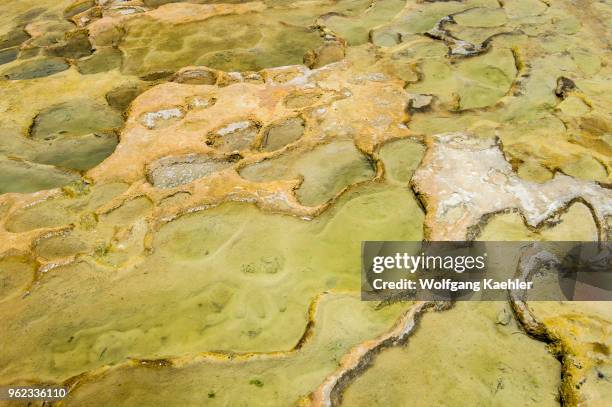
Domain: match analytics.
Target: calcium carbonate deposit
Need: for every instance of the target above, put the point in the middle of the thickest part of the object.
(185, 185)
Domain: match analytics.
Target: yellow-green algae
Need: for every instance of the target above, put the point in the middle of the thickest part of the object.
(400, 158)
(576, 224)
(466, 356)
(210, 283)
(326, 170)
(266, 380)
(98, 280)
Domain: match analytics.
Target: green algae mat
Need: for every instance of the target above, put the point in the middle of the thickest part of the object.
(185, 186)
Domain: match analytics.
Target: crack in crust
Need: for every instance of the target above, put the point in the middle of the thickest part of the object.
(463, 179)
(329, 393)
(74, 382)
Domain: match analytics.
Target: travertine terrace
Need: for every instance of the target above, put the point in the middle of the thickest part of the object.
(185, 185)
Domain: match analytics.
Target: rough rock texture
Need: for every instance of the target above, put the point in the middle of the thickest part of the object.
(170, 172)
(462, 179)
(184, 186)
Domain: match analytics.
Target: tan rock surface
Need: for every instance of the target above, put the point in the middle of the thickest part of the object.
(208, 239)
